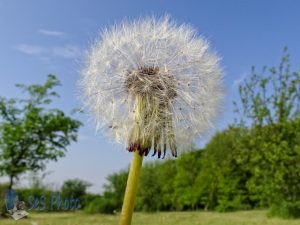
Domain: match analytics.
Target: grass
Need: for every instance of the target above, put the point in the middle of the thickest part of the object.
(167, 218)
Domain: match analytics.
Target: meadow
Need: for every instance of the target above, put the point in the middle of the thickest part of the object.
(255, 217)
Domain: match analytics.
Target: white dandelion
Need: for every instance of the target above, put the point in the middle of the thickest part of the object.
(152, 84)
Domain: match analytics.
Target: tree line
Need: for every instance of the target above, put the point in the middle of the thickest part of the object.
(253, 163)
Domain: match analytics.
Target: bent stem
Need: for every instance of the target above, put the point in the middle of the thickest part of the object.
(131, 189)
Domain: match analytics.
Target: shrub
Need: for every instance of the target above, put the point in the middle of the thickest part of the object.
(87, 199)
(101, 205)
(286, 210)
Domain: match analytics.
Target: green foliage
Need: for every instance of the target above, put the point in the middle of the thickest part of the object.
(274, 153)
(115, 189)
(286, 210)
(271, 96)
(75, 188)
(270, 106)
(101, 205)
(222, 177)
(112, 198)
(165, 171)
(158, 195)
(187, 169)
(87, 198)
(94, 206)
(149, 192)
(31, 133)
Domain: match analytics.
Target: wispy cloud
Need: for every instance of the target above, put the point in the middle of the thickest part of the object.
(239, 80)
(67, 51)
(30, 49)
(53, 33)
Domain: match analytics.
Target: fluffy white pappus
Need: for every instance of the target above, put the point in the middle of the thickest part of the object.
(166, 65)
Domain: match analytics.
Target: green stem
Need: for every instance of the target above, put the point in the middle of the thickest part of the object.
(131, 189)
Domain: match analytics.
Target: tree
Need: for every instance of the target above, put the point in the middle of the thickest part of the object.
(270, 97)
(31, 133)
(187, 170)
(166, 172)
(221, 182)
(269, 106)
(75, 188)
(114, 189)
(149, 194)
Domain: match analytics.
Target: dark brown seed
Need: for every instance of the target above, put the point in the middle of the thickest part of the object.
(165, 149)
(147, 151)
(130, 148)
(154, 152)
(141, 152)
(158, 154)
(174, 151)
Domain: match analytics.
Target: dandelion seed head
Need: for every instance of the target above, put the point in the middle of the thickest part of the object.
(152, 84)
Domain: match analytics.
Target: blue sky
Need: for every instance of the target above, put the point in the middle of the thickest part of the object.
(50, 36)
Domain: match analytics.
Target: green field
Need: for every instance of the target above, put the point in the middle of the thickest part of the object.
(172, 218)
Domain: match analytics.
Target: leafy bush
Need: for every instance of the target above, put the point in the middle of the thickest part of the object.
(87, 199)
(75, 188)
(286, 210)
(101, 205)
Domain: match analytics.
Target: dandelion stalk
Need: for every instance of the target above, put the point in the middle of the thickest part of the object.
(131, 189)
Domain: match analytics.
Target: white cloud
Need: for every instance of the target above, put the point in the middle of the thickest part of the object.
(239, 80)
(30, 49)
(67, 51)
(53, 33)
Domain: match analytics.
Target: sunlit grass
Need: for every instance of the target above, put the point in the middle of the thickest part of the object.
(168, 218)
